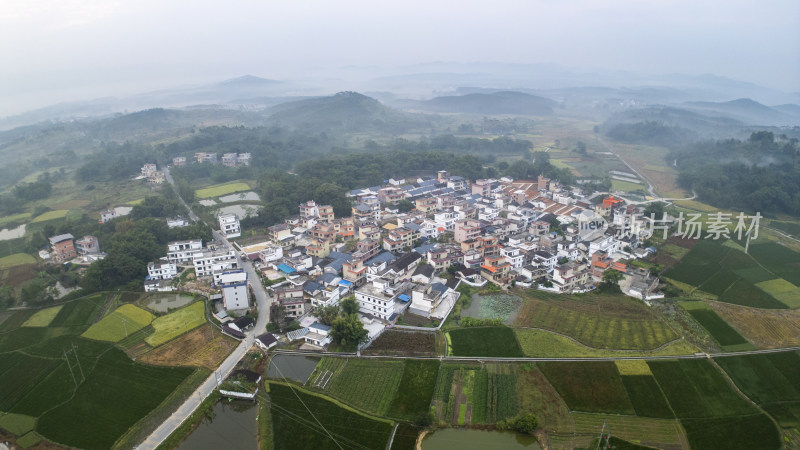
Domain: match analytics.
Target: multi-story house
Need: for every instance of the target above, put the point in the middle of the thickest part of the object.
(207, 263)
(426, 205)
(107, 215)
(281, 234)
(163, 269)
(399, 238)
(292, 300)
(182, 252)
(467, 229)
(179, 161)
(497, 270)
(229, 225)
(513, 256)
(87, 245)
(382, 298)
(63, 247)
(569, 276)
(234, 289)
(318, 247)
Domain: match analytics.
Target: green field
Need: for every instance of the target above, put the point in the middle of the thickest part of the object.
(658, 433)
(544, 344)
(93, 418)
(176, 323)
(17, 259)
(14, 218)
(599, 331)
(750, 432)
(118, 325)
(467, 394)
(369, 385)
(589, 386)
(727, 337)
(484, 341)
(42, 318)
(221, 189)
(782, 290)
(415, 390)
(646, 397)
(695, 388)
(295, 428)
(17, 423)
(405, 438)
(771, 380)
(51, 215)
(80, 313)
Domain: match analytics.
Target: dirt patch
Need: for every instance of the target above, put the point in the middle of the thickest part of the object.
(204, 346)
(395, 342)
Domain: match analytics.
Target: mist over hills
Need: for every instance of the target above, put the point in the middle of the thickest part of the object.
(503, 102)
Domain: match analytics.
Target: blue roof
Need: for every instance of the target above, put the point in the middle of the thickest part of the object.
(326, 278)
(286, 268)
(403, 297)
(386, 257)
(320, 326)
(345, 283)
(651, 249)
(312, 286)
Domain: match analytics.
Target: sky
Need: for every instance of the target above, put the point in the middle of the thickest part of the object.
(61, 50)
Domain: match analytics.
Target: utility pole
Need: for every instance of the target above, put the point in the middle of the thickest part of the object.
(605, 435)
(78, 361)
(747, 243)
(125, 326)
(69, 365)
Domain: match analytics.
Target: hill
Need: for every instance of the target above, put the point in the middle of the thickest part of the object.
(504, 102)
(345, 111)
(746, 110)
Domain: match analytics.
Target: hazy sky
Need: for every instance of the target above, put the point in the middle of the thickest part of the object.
(56, 50)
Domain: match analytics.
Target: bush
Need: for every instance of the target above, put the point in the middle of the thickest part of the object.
(524, 423)
(473, 322)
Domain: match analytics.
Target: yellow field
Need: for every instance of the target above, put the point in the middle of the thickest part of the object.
(782, 290)
(633, 367)
(695, 205)
(136, 202)
(43, 318)
(14, 218)
(765, 328)
(175, 324)
(121, 323)
(619, 185)
(631, 428)
(544, 344)
(221, 189)
(50, 215)
(17, 259)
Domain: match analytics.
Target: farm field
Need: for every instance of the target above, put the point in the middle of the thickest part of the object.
(51, 215)
(545, 344)
(416, 389)
(646, 397)
(750, 432)
(204, 346)
(650, 432)
(770, 380)
(475, 395)
(291, 423)
(728, 338)
(125, 320)
(395, 342)
(221, 189)
(596, 329)
(80, 313)
(782, 290)
(369, 385)
(405, 438)
(493, 306)
(536, 394)
(695, 388)
(484, 341)
(589, 386)
(43, 317)
(18, 424)
(176, 323)
(16, 259)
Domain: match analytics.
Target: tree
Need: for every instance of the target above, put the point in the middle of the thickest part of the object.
(327, 314)
(405, 205)
(526, 423)
(349, 306)
(611, 279)
(277, 313)
(348, 331)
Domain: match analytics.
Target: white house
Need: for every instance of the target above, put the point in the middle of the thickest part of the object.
(234, 289)
(177, 222)
(182, 252)
(162, 269)
(229, 225)
(208, 262)
(513, 256)
(318, 334)
(266, 341)
(107, 215)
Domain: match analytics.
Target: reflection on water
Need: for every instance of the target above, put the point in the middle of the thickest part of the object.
(293, 367)
(165, 302)
(244, 196)
(233, 426)
(241, 211)
(463, 439)
(6, 234)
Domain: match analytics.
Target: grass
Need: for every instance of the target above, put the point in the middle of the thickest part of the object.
(369, 385)
(544, 344)
(18, 424)
(597, 330)
(535, 393)
(783, 291)
(125, 320)
(51, 215)
(764, 328)
(94, 418)
(204, 346)
(716, 327)
(79, 313)
(176, 323)
(632, 367)
(293, 428)
(17, 259)
(43, 317)
(619, 185)
(771, 380)
(20, 374)
(750, 432)
(15, 218)
(589, 386)
(695, 388)
(646, 397)
(221, 189)
(649, 431)
(485, 341)
(415, 390)
(29, 440)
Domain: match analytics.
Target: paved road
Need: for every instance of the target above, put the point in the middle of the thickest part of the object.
(210, 384)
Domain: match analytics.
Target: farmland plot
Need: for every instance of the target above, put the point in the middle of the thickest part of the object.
(116, 326)
(176, 323)
(653, 432)
(750, 432)
(545, 344)
(416, 389)
(727, 337)
(395, 342)
(589, 386)
(476, 395)
(366, 384)
(484, 341)
(764, 328)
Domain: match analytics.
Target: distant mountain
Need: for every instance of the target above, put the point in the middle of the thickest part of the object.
(249, 82)
(790, 109)
(503, 102)
(707, 124)
(345, 111)
(746, 110)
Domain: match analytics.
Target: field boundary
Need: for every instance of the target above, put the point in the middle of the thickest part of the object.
(661, 347)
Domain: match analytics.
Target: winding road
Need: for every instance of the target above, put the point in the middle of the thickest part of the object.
(210, 384)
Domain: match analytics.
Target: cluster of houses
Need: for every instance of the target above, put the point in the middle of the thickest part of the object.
(65, 248)
(531, 233)
(151, 173)
(228, 159)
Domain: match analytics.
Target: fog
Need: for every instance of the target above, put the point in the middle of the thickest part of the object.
(55, 51)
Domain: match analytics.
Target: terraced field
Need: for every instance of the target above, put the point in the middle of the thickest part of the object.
(545, 344)
(176, 323)
(728, 338)
(125, 320)
(764, 328)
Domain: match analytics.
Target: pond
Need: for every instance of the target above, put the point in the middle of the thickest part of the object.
(123, 210)
(233, 426)
(464, 439)
(207, 202)
(243, 196)
(165, 302)
(241, 211)
(294, 367)
(6, 234)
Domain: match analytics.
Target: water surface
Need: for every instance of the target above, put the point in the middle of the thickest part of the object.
(233, 426)
(6, 234)
(465, 439)
(293, 367)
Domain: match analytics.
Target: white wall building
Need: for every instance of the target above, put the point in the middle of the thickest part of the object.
(162, 269)
(181, 252)
(208, 262)
(234, 289)
(513, 256)
(229, 225)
